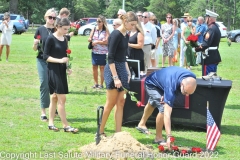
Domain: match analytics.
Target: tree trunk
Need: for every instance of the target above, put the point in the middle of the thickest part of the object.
(13, 6)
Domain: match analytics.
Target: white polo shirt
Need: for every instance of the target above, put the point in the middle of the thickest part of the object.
(150, 33)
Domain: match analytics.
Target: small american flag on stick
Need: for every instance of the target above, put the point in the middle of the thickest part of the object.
(213, 133)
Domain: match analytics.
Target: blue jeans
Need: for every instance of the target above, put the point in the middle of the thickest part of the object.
(43, 78)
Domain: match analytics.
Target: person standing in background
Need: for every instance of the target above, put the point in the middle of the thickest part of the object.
(150, 37)
(168, 30)
(183, 25)
(200, 30)
(40, 38)
(116, 23)
(176, 40)
(135, 45)
(155, 47)
(6, 38)
(121, 12)
(99, 38)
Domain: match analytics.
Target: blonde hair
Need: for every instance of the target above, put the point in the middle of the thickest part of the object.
(139, 27)
(49, 12)
(175, 20)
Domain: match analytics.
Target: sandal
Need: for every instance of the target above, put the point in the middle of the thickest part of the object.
(44, 118)
(70, 129)
(95, 86)
(101, 134)
(53, 128)
(100, 86)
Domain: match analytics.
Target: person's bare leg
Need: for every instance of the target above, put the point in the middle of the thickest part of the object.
(61, 109)
(95, 74)
(169, 61)
(159, 127)
(7, 51)
(163, 61)
(148, 110)
(153, 61)
(102, 74)
(1, 48)
(52, 109)
(110, 102)
(119, 111)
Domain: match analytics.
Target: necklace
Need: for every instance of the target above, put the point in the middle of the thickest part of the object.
(49, 30)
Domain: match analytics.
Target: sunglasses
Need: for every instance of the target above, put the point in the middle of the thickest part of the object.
(189, 21)
(51, 17)
(144, 16)
(169, 17)
(99, 21)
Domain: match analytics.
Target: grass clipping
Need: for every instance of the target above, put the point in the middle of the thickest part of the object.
(119, 146)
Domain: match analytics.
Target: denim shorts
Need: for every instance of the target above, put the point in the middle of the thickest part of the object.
(99, 59)
(154, 97)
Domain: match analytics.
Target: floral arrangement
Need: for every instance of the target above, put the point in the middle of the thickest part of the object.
(193, 40)
(175, 150)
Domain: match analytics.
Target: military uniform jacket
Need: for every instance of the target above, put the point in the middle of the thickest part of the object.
(213, 41)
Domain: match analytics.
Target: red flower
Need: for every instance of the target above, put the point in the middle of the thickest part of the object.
(198, 150)
(192, 38)
(68, 51)
(139, 104)
(38, 37)
(161, 148)
(183, 151)
(175, 148)
(172, 139)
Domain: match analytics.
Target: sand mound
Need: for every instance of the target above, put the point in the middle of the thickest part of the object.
(119, 146)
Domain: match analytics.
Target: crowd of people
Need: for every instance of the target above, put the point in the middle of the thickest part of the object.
(135, 36)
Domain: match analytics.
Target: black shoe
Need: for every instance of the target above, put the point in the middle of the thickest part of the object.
(44, 118)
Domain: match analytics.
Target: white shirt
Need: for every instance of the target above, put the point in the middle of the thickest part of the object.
(150, 33)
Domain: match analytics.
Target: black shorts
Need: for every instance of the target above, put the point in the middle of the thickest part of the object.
(154, 97)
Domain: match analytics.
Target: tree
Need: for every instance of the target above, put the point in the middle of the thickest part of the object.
(13, 6)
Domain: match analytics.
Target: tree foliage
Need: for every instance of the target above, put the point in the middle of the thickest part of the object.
(34, 10)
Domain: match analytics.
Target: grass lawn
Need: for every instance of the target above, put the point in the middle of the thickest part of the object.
(23, 133)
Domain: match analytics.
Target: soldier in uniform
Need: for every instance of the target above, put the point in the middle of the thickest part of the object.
(210, 44)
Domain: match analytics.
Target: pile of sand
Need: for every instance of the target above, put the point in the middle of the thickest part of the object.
(119, 146)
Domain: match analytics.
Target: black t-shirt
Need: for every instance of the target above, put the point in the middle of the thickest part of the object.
(43, 32)
(117, 47)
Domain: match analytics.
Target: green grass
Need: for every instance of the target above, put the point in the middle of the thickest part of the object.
(23, 132)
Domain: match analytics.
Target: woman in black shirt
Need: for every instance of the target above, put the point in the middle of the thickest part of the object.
(116, 72)
(56, 56)
(38, 45)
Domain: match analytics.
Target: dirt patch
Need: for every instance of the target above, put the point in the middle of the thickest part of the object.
(121, 145)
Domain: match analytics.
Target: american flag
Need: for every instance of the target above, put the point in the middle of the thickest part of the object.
(213, 133)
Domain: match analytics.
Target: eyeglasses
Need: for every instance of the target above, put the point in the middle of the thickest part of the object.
(51, 17)
(189, 21)
(169, 17)
(99, 21)
(144, 16)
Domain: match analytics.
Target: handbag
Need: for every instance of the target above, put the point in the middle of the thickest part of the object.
(90, 46)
